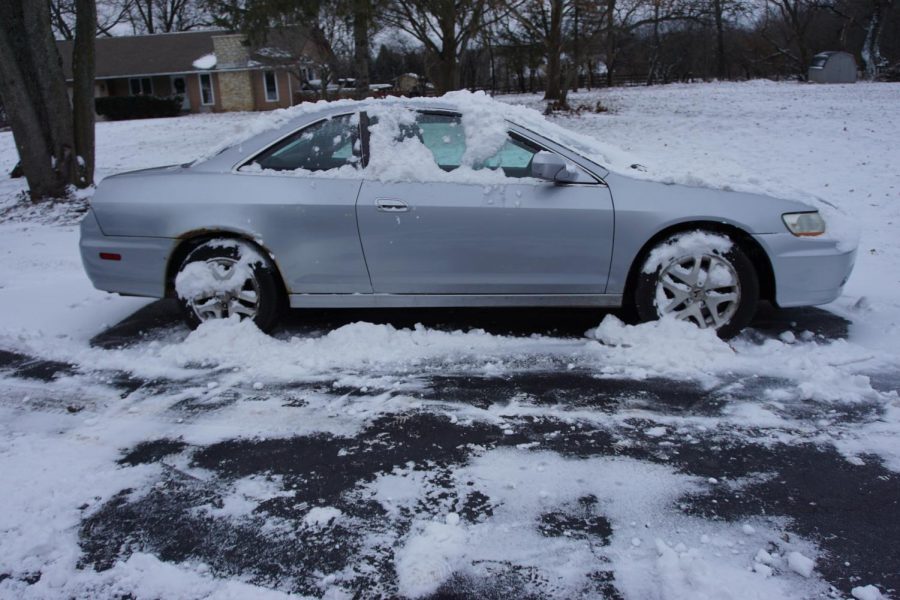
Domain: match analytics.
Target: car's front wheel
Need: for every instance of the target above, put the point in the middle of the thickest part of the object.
(701, 277)
(221, 278)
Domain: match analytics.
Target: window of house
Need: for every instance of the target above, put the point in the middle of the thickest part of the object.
(206, 89)
(328, 144)
(444, 135)
(140, 86)
(270, 81)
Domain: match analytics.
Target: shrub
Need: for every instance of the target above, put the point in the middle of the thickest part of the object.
(118, 108)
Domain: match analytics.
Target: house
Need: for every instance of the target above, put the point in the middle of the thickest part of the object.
(411, 84)
(212, 70)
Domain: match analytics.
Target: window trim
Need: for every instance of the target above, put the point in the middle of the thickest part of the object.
(140, 81)
(212, 89)
(274, 74)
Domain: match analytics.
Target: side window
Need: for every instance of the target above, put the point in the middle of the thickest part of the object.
(322, 146)
(444, 136)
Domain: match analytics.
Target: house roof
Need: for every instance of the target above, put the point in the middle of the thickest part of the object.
(171, 53)
(145, 54)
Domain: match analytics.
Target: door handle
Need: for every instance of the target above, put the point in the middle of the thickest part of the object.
(391, 205)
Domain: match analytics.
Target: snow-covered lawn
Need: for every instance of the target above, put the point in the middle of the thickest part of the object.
(517, 492)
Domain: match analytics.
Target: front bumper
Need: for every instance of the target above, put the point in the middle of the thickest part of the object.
(141, 270)
(808, 270)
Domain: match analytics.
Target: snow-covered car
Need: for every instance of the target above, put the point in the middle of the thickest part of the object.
(458, 201)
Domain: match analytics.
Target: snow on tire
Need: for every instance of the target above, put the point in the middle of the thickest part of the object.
(701, 277)
(223, 278)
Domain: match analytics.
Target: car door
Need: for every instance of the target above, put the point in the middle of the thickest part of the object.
(309, 182)
(457, 235)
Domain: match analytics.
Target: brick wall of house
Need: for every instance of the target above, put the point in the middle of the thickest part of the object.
(236, 90)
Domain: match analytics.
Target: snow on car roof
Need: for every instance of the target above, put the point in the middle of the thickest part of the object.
(474, 106)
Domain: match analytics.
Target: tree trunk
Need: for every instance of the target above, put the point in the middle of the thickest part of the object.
(446, 62)
(576, 50)
(554, 52)
(446, 72)
(361, 46)
(721, 63)
(610, 40)
(657, 46)
(34, 93)
(83, 90)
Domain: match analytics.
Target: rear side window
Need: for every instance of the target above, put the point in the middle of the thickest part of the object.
(322, 146)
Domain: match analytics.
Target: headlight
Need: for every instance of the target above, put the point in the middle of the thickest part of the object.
(805, 223)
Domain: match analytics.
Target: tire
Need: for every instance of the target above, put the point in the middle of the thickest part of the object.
(675, 278)
(225, 277)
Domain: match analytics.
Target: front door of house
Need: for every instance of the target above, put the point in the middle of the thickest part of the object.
(179, 87)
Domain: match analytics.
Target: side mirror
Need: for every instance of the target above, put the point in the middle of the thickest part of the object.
(553, 167)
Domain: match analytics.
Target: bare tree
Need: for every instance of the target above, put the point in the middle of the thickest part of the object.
(164, 16)
(54, 151)
(543, 21)
(444, 27)
(110, 13)
(871, 50)
(791, 21)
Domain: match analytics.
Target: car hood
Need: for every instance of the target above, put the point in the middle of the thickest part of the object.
(674, 203)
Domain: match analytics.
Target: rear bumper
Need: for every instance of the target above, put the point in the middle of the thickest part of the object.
(141, 270)
(808, 271)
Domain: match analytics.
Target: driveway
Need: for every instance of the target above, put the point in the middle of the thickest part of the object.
(544, 480)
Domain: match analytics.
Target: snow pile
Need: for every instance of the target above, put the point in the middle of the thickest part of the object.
(801, 564)
(431, 554)
(867, 592)
(357, 346)
(667, 347)
(205, 62)
(484, 134)
(321, 516)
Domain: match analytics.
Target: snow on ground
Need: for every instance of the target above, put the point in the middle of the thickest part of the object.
(227, 384)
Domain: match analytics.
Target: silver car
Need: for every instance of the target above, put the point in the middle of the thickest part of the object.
(390, 203)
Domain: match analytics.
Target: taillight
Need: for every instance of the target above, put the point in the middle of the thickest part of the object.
(110, 256)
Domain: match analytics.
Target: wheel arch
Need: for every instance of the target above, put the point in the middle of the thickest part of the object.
(750, 246)
(191, 240)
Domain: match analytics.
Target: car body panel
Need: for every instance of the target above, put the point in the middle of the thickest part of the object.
(451, 300)
(808, 271)
(520, 238)
(646, 208)
(141, 271)
(307, 225)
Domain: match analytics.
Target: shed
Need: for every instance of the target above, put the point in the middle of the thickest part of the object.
(833, 67)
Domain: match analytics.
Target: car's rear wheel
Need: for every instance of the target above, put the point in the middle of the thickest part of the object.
(222, 278)
(701, 277)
